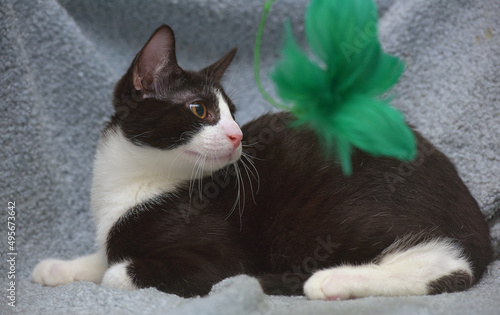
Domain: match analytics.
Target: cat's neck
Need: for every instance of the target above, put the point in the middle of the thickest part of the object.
(127, 162)
(126, 175)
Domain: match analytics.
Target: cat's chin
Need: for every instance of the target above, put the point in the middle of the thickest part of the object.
(213, 161)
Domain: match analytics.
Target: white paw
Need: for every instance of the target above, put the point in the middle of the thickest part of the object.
(117, 277)
(339, 283)
(53, 272)
(400, 272)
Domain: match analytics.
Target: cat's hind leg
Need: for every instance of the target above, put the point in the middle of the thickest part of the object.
(426, 268)
(53, 272)
(119, 276)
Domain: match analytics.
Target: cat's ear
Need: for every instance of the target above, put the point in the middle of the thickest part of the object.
(216, 70)
(157, 56)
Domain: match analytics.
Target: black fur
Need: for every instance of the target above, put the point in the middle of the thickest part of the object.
(302, 216)
(457, 281)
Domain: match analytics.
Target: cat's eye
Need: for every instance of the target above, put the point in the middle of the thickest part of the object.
(199, 109)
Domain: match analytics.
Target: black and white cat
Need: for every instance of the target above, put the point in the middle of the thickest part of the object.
(182, 198)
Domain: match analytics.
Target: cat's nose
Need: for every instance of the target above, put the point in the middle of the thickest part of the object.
(235, 138)
(232, 131)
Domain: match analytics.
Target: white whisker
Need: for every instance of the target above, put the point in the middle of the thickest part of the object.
(248, 171)
(141, 134)
(256, 174)
(238, 195)
(249, 145)
(193, 177)
(199, 175)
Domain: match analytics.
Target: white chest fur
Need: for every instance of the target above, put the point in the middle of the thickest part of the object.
(126, 175)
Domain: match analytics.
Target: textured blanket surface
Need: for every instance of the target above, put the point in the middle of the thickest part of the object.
(59, 61)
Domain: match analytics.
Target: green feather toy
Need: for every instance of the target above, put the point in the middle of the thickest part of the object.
(336, 92)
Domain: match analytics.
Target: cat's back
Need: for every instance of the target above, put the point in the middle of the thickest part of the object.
(308, 201)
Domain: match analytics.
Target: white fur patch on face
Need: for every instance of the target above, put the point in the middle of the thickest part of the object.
(407, 272)
(212, 146)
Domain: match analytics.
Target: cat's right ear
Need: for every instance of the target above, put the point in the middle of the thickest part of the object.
(217, 69)
(155, 58)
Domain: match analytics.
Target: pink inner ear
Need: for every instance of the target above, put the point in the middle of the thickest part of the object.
(137, 80)
(154, 56)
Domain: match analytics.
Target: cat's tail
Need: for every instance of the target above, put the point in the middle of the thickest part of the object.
(286, 283)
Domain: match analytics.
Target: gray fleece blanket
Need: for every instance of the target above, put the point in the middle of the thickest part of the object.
(60, 59)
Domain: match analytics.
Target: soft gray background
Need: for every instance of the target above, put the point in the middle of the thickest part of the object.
(59, 61)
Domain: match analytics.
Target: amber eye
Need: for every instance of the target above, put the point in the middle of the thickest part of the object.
(199, 109)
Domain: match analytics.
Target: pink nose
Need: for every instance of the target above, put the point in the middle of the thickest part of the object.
(235, 138)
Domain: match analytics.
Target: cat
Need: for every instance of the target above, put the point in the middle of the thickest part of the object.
(183, 198)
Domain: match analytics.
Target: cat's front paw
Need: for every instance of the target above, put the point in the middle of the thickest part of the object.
(53, 272)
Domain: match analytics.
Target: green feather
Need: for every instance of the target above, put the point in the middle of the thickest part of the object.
(336, 91)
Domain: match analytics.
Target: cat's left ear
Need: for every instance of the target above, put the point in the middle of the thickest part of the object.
(217, 69)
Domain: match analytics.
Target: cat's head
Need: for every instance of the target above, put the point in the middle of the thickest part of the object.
(184, 114)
